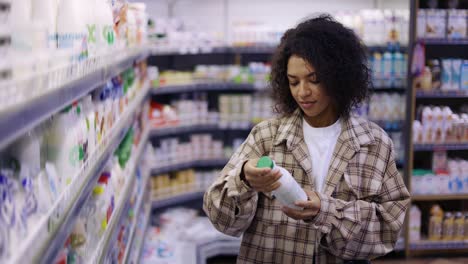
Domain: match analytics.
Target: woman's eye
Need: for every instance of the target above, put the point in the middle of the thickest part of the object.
(314, 81)
(293, 83)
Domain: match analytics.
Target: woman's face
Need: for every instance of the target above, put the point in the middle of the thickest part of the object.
(309, 93)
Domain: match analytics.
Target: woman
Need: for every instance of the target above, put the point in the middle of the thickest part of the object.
(356, 197)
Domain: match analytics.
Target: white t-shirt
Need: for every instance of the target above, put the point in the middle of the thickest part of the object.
(321, 142)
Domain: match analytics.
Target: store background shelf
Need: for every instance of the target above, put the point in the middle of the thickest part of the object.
(439, 197)
(444, 42)
(176, 199)
(204, 87)
(20, 119)
(432, 147)
(443, 94)
(390, 126)
(188, 165)
(389, 89)
(173, 131)
(438, 245)
(54, 241)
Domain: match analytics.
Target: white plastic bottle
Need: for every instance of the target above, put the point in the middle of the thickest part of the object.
(45, 12)
(105, 34)
(290, 191)
(415, 224)
(71, 28)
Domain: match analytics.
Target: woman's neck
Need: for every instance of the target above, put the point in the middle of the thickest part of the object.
(327, 118)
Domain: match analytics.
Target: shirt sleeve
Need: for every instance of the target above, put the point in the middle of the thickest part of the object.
(364, 229)
(229, 203)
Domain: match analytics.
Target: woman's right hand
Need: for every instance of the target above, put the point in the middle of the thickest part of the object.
(260, 179)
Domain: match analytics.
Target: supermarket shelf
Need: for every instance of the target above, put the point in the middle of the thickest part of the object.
(46, 245)
(139, 244)
(438, 245)
(177, 199)
(122, 205)
(432, 147)
(389, 89)
(20, 119)
(258, 49)
(172, 131)
(138, 207)
(390, 126)
(442, 94)
(444, 42)
(204, 87)
(439, 197)
(384, 48)
(188, 165)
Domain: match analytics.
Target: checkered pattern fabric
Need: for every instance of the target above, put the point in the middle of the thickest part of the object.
(362, 207)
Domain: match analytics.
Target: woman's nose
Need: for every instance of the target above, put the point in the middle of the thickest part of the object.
(304, 90)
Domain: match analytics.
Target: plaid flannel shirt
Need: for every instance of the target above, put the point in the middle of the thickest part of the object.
(363, 204)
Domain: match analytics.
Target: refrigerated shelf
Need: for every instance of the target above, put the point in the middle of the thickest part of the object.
(19, 119)
(110, 234)
(51, 232)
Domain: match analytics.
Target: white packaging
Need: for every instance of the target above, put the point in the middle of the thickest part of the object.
(415, 224)
(436, 23)
(446, 75)
(45, 12)
(105, 35)
(456, 23)
(72, 28)
(421, 23)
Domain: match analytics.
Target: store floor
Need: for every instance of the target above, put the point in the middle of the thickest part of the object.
(232, 260)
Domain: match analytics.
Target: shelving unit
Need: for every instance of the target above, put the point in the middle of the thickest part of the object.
(419, 153)
(176, 199)
(122, 205)
(188, 165)
(439, 197)
(174, 131)
(20, 119)
(443, 42)
(52, 230)
(204, 87)
(442, 94)
(139, 241)
(432, 147)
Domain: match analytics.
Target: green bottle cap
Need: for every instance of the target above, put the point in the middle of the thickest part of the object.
(265, 162)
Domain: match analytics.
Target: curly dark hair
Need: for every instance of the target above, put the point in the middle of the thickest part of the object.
(339, 59)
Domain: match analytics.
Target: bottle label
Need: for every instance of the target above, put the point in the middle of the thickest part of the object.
(77, 42)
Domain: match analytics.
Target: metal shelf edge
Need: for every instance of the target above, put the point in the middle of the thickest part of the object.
(163, 202)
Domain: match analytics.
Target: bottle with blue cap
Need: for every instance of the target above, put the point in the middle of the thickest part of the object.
(290, 191)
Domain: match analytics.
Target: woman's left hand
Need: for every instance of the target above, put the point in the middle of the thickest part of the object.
(311, 207)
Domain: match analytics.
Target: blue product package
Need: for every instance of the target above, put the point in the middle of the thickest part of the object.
(446, 76)
(464, 75)
(456, 69)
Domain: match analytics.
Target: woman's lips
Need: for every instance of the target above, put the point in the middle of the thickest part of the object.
(307, 105)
